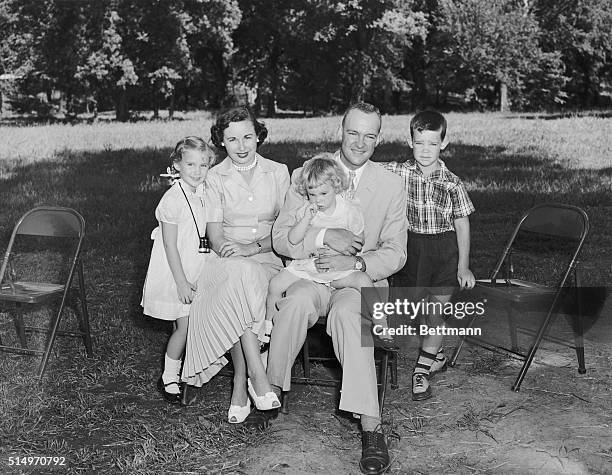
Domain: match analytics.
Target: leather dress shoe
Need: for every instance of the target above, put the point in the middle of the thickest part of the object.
(260, 420)
(169, 397)
(374, 453)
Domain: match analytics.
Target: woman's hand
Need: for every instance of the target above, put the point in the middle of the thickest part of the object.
(186, 291)
(233, 249)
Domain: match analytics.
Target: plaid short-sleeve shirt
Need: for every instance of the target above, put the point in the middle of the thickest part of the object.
(433, 202)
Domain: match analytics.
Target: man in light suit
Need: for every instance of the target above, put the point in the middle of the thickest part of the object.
(382, 252)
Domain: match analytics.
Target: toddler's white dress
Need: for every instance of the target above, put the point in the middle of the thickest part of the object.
(346, 215)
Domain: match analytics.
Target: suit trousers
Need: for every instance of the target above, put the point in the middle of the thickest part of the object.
(304, 303)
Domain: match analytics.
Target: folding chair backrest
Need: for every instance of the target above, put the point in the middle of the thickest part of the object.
(559, 220)
(47, 221)
(54, 222)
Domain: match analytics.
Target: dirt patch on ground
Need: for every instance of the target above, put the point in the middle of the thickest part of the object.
(107, 417)
(559, 422)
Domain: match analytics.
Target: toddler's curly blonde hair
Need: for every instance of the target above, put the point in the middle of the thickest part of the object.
(320, 169)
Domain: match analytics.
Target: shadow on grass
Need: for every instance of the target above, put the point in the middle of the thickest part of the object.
(111, 397)
(117, 192)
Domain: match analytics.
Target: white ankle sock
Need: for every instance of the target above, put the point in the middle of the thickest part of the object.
(171, 374)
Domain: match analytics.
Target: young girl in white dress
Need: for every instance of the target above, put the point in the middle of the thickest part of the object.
(178, 255)
(323, 182)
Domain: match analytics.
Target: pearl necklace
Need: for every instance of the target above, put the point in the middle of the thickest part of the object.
(246, 168)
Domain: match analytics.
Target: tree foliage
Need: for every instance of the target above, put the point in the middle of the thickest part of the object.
(580, 31)
(488, 47)
(311, 55)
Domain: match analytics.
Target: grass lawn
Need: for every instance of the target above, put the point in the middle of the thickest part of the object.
(102, 413)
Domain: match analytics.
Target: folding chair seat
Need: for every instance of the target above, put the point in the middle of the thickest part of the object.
(39, 265)
(545, 243)
(385, 357)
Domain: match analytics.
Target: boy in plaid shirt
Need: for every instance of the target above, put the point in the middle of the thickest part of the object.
(438, 235)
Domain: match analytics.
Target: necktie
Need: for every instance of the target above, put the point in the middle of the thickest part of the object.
(351, 189)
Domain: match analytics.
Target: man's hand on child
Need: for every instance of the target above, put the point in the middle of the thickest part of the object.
(343, 241)
(334, 263)
(466, 279)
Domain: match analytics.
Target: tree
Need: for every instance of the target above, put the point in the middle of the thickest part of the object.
(373, 37)
(263, 40)
(209, 27)
(581, 31)
(15, 43)
(108, 69)
(324, 54)
(491, 48)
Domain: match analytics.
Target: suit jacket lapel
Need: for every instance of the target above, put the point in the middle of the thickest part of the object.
(367, 186)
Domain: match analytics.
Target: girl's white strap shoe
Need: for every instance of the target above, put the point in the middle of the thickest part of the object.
(266, 402)
(237, 414)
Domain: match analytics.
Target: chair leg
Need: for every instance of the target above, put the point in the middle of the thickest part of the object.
(579, 332)
(394, 383)
(512, 327)
(536, 344)
(20, 326)
(185, 398)
(459, 347)
(51, 338)
(384, 368)
(284, 409)
(84, 313)
(306, 358)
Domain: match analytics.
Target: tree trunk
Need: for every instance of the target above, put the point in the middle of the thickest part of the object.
(503, 97)
(257, 104)
(271, 109)
(122, 112)
(171, 107)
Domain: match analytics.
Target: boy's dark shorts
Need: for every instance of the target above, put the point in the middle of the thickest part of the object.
(430, 271)
(431, 262)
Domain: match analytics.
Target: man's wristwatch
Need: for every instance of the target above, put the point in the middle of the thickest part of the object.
(359, 264)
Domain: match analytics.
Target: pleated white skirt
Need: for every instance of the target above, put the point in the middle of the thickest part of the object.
(230, 299)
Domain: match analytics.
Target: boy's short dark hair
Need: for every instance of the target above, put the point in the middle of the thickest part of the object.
(428, 120)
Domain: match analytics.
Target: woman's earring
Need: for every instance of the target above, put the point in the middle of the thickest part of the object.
(222, 144)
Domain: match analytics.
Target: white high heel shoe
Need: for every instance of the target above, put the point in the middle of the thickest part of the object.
(237, 414)
(266, 402)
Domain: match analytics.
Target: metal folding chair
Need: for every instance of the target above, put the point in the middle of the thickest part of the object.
(554, 232)
(45, 245)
